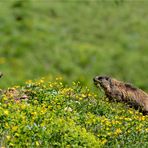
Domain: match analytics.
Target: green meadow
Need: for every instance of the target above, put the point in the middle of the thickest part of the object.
(74, 40)
(77, 40)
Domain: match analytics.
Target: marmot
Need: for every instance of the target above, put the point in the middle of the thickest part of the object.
(123, 92)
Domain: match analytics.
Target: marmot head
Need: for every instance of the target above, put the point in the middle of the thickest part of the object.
(103, 81)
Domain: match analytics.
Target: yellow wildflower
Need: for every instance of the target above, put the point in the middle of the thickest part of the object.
(6, 112)
(14, 128)
(83, 96)
(103, 141)
(118, 131)
(37, 143)
(8, 137)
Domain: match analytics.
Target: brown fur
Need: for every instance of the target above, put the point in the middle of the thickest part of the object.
(124, 92)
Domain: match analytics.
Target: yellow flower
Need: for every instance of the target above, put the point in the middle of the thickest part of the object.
(109, 133)
(16, 134)
(95, 95)
(83, 96)
(29, 82)
(6, 125)
(142, 118)
(89, 94)
(69, 109)
(118, 131)
(50, 84)
(61, 83)
(17, 86)
(5, 98)
(128, 131)
(103, 141)
(107, 129)
(43, 111)
(14, 128)
(34, 113)
(130, 111)
(59, 78)
(8, 137)
(80, 98)
(128, 119)
(6, 112)
(11, 144)
(146, 129)
(37, 143)
(23, 106)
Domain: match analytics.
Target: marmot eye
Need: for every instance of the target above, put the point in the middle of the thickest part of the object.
(103, 77)
(100, 78)
(107, 78)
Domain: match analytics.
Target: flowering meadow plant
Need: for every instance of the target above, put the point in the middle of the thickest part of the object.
(52, 114)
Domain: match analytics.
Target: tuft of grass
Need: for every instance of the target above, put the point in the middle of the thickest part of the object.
(52, 114)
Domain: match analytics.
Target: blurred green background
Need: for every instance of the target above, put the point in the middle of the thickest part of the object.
(74, 39)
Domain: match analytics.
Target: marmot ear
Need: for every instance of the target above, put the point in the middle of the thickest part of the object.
(130, 86)
(107, 78)
(98, 78)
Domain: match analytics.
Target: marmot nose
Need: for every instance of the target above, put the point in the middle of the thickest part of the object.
(94, 79)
